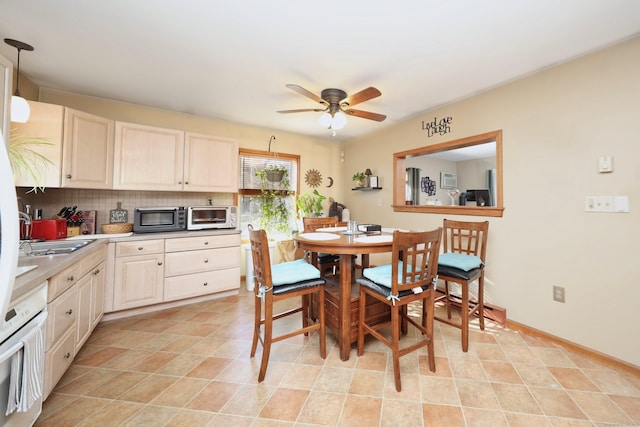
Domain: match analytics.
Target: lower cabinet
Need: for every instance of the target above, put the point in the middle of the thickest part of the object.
(75, 301)
(138, 278)
(147, 272)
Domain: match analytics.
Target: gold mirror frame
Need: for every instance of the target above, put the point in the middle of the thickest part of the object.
(399, 177)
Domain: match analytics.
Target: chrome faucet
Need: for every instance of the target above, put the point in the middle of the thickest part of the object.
(26, 218)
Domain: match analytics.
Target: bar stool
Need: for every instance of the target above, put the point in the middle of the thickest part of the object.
(465, 246)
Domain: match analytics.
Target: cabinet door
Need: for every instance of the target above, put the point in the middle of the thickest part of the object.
(138, 281)
(210, 164)
(88, 150)
(85, 308)
(45, 126)
(148, 158)
(97, 292)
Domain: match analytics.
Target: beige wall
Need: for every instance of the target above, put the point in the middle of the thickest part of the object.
(556, 124)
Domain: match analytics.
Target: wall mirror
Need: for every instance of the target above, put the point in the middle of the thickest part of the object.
(461, 177)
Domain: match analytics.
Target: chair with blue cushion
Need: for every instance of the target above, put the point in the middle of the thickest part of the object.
(321, 260)
(465, 246)
(278, 282)
(410, 277)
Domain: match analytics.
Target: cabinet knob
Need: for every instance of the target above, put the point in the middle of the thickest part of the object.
(69, 312)
(186, 182)
(69, 176)
(67, 355)
(206, 243)
(140, 248)
(206, 261)
(205, 283)
(160, 263)
(70, 278)
(180, 182)
(96, 271)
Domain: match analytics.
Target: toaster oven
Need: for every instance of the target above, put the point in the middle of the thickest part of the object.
(211, 217)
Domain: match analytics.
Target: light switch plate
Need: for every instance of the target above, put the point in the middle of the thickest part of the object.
(605, 164)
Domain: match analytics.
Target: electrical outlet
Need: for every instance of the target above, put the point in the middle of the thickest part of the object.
(558, 293)
(598, 204)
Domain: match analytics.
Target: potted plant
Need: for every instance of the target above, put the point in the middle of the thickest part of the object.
(274, 200)
(310, 205)
(274, 172)
(358, 178)
(27, 161)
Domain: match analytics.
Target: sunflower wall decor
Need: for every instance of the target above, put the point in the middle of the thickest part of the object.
(313, 178)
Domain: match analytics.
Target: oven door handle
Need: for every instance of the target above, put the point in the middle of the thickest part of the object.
(17, 346)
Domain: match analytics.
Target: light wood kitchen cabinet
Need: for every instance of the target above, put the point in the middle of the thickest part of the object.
(203, 265)
(210, 163)
(46, 124)
(87, 150)
(90, 304)
(78, 145)
(148, 158)
(153, 158)
(72, 313)
(138, 279)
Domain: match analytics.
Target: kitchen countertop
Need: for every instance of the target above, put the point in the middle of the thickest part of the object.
(49, 265)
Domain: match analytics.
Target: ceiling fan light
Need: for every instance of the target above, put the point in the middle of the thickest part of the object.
(339, 120)
(325, 120)
(20, 110)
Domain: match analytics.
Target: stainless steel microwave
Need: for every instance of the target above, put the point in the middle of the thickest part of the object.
(155, 220)
(208, 217)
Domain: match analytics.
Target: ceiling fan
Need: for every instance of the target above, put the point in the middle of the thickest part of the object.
(336, 103)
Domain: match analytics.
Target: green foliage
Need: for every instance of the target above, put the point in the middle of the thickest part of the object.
(310, 205)
(358, 176)
(274, 199)
(26, 161)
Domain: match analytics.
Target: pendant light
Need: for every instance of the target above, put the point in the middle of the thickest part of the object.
(20, 110)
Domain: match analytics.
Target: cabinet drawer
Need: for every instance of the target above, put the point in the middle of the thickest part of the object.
(193, 285)
(57, 360)
(202, 242)
(140, 247)
(64, 280)
(62, 316)
(200, 261)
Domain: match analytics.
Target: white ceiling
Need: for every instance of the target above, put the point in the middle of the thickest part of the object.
(231, 59)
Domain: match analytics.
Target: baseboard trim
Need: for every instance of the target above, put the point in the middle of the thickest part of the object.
(606, 360)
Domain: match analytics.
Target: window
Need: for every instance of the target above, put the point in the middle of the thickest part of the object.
(249, 186)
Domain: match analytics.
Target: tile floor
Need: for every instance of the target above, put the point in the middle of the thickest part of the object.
(190, 367)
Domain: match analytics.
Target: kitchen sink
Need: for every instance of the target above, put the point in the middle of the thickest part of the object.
(52, 247)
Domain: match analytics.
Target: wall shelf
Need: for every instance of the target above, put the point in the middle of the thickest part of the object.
(366, 188)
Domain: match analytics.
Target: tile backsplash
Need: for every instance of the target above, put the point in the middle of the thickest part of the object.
(53, 199)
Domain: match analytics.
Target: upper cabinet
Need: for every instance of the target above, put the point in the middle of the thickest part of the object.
(147, 158)
(42, 136)
(79, 147)
(87, 151)
(210, 164)
(153, 158)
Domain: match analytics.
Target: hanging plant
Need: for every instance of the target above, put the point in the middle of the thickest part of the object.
(274, 199)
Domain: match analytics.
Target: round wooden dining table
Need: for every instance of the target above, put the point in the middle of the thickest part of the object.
(334, 240)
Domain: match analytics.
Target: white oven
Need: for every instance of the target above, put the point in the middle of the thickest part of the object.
(22, 320)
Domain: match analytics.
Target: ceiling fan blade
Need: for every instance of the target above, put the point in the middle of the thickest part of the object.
(303, 91)
(366, 115)
(302, 110)
(363, 95)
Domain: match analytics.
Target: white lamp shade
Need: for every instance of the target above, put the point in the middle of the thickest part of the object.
(325, 120)
(339, 120)
(20, 110)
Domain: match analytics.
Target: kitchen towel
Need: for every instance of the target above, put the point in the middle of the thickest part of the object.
(25, 383)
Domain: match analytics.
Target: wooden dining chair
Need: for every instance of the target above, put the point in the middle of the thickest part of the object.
(463, 260)
(324, 262)
(410, 277)
(278, 282)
